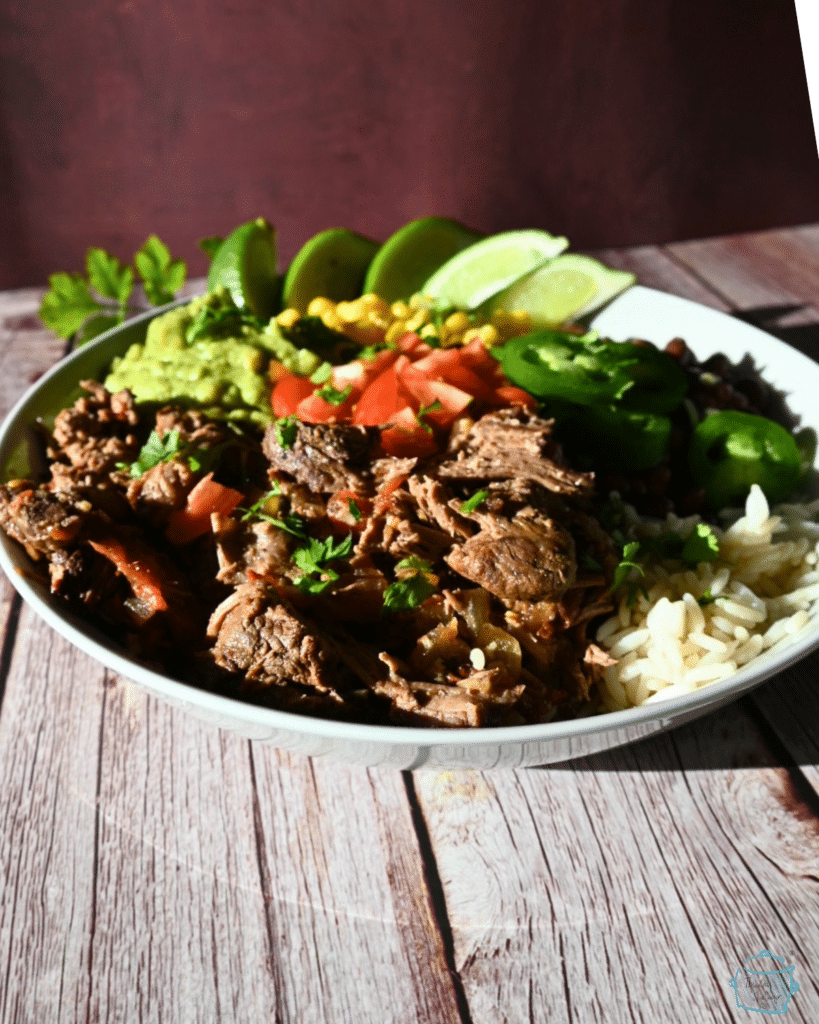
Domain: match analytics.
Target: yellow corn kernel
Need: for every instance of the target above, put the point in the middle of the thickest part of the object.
(395, 330)
(288, 317)
(471, 335)
(417, 320)
(489, 335)
(320, 305)
(458, 321)
(428, 331)
(400, 310)
(332, 320)
(375, 304)
(419, 301)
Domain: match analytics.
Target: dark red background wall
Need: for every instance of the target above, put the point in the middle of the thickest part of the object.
(611, 121)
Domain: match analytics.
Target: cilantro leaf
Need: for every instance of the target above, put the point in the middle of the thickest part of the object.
(160, 275)
(322, 374)
(286, 428)
(627, 563)
(706, 599)
(225, 320)
(96, 325)
(312, 558)
(478, 498)
(155, 450)
(333, 395)
(108, 276)
(355, 511)
(414, 585)
(433, 406)
(68, 304)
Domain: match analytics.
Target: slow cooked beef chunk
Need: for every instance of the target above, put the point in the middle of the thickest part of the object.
(325, 457)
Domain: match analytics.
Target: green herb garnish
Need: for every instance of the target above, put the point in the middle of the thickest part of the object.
(286, 428)
(155, 450)
(333, 396)
(478, 498)
(433, 406)
(414, 585)
(226, 320)
(355, 511)
(86, 306)
(312, 558)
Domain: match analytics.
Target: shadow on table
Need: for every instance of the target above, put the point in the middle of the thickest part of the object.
(804, 337)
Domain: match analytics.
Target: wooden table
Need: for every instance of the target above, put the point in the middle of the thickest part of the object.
(157, 869)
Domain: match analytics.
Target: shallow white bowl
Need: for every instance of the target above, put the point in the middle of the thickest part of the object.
(640, 312)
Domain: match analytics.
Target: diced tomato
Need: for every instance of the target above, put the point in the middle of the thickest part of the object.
(314, 409)
(288, 392)
(406, 436)
(360, 372)
(446, 365)
(340, 514)
(382, 400)
(508, 394)
(427, 392)
(139, 567)
(185, 524)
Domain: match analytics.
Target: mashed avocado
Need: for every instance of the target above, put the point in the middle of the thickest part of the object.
(209, 355)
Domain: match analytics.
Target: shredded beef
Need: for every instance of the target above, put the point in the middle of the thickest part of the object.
(325, 457)
(39, 519)
(257, 634)
(514, 443)
(523, 559)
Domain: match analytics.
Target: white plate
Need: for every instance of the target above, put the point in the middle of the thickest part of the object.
(640, 312)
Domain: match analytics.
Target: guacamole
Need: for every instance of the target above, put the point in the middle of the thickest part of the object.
(221, 367)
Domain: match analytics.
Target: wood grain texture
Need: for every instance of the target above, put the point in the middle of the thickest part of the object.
(631, 893)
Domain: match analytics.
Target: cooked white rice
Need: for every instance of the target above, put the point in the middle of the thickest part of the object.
(766, 592)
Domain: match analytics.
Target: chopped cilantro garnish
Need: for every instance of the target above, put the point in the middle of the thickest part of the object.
(355, 511)
(286, 428)
(478, 498)
(706, 599)
(433, 406)
(312, 558)
(624, 568)
(333, 395)
(415, 583)
(290, 522)
(155, 450)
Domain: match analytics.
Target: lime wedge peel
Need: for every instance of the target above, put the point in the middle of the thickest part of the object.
(408, 257)
(245, 264)
(562, 291)
(331, 265)
(473, 276)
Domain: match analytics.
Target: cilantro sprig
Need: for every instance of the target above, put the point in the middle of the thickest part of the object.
(415, 582)
(163, 448)
(313, 557)
(477, 499)
(86, 305)
(290, 522)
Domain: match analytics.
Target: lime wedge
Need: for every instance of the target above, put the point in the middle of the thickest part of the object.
(245, 264)
(407, 258)
(562, 291)
(489, 266)
(331, 265)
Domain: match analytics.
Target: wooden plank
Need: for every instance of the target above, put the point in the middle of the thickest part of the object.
(757, 270)
(656, 269)
(49, 737)
(629, 892)
(346, 892)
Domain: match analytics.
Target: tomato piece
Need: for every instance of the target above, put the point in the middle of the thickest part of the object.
(382, 400)
(508, 394)
(208, 496)
(446, 365)
(427, 392)
(405, 436)
(288, 392)
(315, 409)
